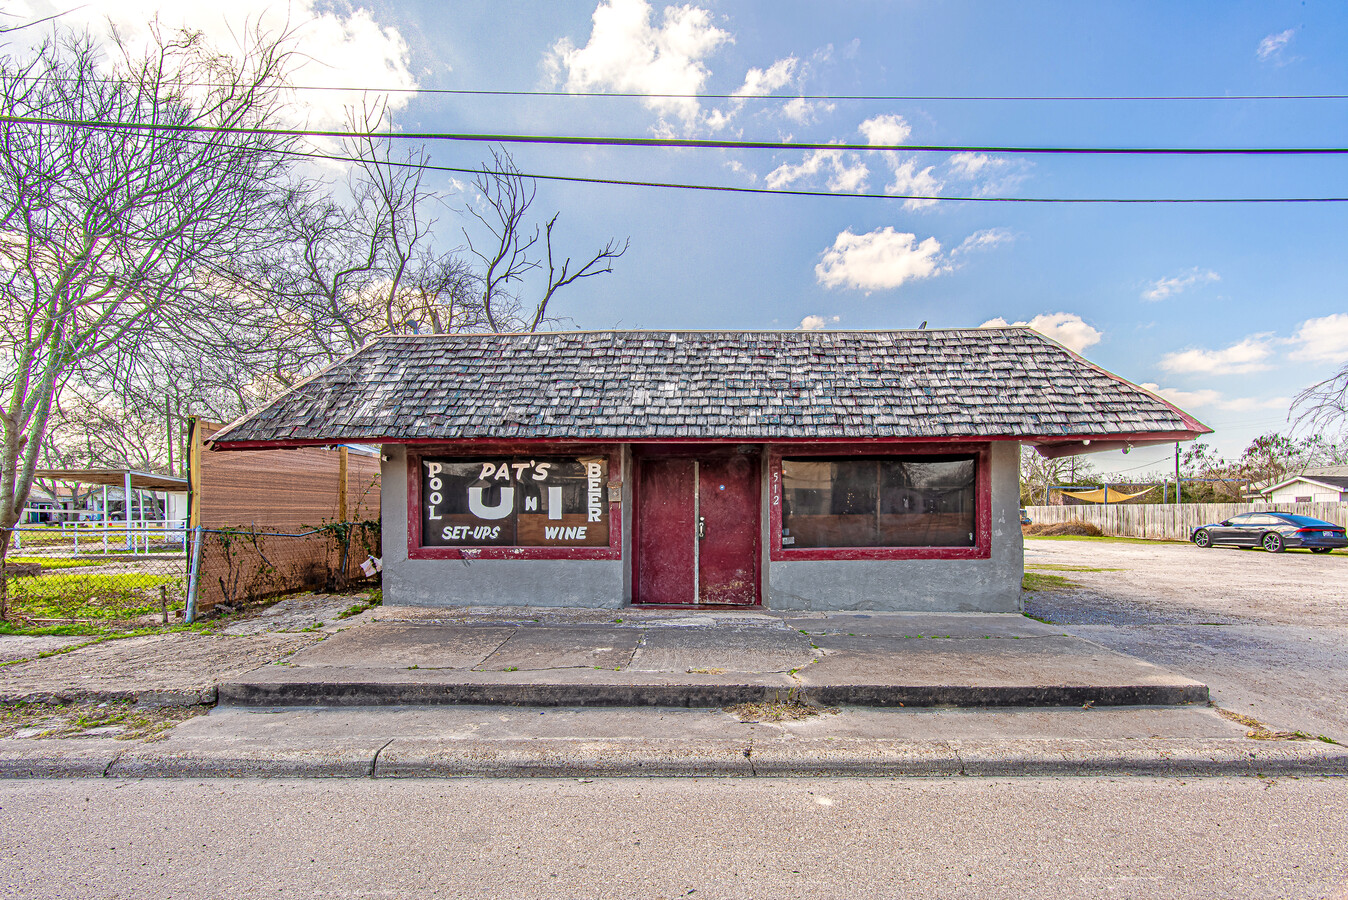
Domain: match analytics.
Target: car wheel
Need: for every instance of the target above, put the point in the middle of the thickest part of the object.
(1273, 542)
(1321, 549)
(1203, 539)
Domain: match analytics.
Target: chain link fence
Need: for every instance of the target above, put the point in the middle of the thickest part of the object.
(95, 572)
(240, 565)
(116, 575)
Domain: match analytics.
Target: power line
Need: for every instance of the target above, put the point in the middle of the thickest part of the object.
(915, 98)
(787, 98)
(681, 143)
(785, 192)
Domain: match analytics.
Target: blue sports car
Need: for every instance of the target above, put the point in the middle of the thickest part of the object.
(1274, 531)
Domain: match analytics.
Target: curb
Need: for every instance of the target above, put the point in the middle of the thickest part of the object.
(574, 758)
(354, 693)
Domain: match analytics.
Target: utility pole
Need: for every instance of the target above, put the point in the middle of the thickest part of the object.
(168, 432)
(1177, 474)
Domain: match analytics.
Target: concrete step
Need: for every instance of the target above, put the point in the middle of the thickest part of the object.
(1013, 664)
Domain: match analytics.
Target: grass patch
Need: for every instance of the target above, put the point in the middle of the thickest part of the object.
(1260, 732)
(376, 597)
(1106, 539)
(123, 721)
(1055, 568)
(96, 597)
(1039, 581)
(57, 562)
(792, 709)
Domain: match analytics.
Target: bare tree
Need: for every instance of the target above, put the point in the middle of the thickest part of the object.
(1323, 407)
(1039, 473)
(511, 255)
(107, 232)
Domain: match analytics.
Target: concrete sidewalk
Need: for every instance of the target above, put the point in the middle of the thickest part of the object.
(551, 657)
(513, 692)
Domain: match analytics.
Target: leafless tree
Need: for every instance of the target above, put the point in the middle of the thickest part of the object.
(1039, 473)
(1323, 408)
(512, 253)
(109, 232)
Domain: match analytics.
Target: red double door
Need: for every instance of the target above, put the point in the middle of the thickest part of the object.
(697, 536)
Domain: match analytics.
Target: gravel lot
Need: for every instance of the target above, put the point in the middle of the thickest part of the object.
(1267, 632)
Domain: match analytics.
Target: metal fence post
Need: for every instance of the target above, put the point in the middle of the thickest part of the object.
(190, 613)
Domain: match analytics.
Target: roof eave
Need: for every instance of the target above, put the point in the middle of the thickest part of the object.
(1048, 445)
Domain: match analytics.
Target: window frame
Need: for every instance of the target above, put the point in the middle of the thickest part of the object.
(415, 550)
(982, 548)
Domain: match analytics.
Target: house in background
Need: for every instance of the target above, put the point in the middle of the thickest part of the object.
(788, 470)
(1308, 489)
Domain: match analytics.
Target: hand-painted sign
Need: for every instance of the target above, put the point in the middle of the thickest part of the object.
(514, 502)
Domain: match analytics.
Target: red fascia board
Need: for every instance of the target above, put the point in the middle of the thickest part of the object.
(1135, 438)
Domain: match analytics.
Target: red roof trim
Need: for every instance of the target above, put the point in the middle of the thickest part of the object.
(1136, 438)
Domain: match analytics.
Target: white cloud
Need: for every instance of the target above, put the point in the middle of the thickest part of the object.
(1183, 399)
(762, 82)
(1165, 287)
(846, 172)
(878, 260)
(1324, 339)
(817, 323)
(798, 109)
(1249, 355)
(1250, 404)
(741, 169)
(983, 240)
(339, 46)
(971, 165)
(1206, 398)
(885, 130)
(909, 180)
(1067, 329)
(627, 52)
(1271, 47)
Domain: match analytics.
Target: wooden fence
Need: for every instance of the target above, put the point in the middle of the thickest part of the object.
(1174, 522)
(259, 506)
(279, 490)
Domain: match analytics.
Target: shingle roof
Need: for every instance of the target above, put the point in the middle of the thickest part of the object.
(1004, 382)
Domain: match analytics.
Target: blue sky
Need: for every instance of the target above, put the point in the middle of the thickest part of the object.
(1228, 310)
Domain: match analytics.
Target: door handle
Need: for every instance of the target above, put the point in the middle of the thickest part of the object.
(701, 527)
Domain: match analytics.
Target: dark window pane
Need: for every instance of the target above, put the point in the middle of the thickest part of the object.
(870, 502)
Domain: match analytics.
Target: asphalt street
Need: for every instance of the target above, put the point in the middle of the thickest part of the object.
(661, 838)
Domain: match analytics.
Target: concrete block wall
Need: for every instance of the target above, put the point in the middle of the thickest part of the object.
(920, 585)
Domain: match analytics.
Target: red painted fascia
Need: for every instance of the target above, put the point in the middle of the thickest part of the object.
(1133, 437)
(982, 548)
(416, 551)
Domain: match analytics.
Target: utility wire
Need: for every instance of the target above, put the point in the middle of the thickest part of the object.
(684, 143)
(785, 192)
(1034, 98)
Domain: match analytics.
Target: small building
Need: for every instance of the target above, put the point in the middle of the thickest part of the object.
(1308, 489)
(790, 470)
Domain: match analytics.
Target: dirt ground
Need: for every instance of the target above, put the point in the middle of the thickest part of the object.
(1268, 632)
(176, 667)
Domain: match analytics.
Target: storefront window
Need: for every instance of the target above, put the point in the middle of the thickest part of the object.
(514, 502)
(878, 502)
